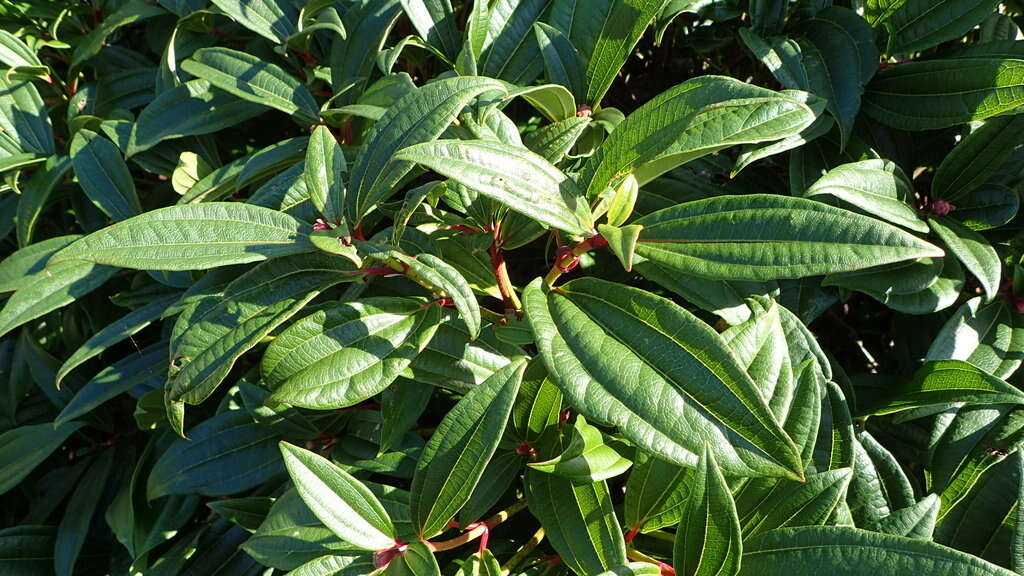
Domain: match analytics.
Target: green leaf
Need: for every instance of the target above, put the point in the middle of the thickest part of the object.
(340, 501)
(916, 25)
(434, 20)
(248, 512)
(579, 521)
(334, 566)
(27, 550)
(415, 560)
(54, 287)
(656, 494)
(26, 262)
(74, 525)
(224, 455)
(250, 78)
(873, 187)
(767, 237)
(147, 367)
(810, 503)
(940, 93)
(847, 551)
(103, 175)
(509, 50)
(977, 158)
(14, 53)
(622, 242)
(605, 33)
(419, 116)
(984, 335)
(192, 237)
(456, 455)
(536, 412)
(272, 19)
(512, 175)
(695, 118)
(191, 109)
(324, 174)
(587, 458)
(612, 349)
(971, 248)
(116, 332)
(347, 353)
(443, 278)
(917, 521)
(401, 404)
(944, 381)
(554, 141)
(23, 116)
(36, 195)
(25, 447)
(708, 541)
(562, 63)
(839, 56)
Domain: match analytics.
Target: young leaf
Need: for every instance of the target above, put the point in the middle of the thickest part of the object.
(612, 348)
(340, 501)
(192, 237)
(457, 453)
(587, 458)
(250, 78)
(708, 541)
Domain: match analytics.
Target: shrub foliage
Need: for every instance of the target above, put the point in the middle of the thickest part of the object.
(511, 287)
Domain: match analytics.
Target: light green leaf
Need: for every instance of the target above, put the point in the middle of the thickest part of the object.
(512, 175)
(874, 187)
(613, 349)
(456, 455)
(434, 20)
(340, 501)
(251, 78)
(562, 63)
(767, 237)
(23, 116)
(587, 458)
(192, 237)
(414, 560)
(14, 52)
(916, 25)
(656, 494)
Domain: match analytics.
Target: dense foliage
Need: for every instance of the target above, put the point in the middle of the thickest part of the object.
(511, 287)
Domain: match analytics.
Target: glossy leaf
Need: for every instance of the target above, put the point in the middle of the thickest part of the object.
(708, 542)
